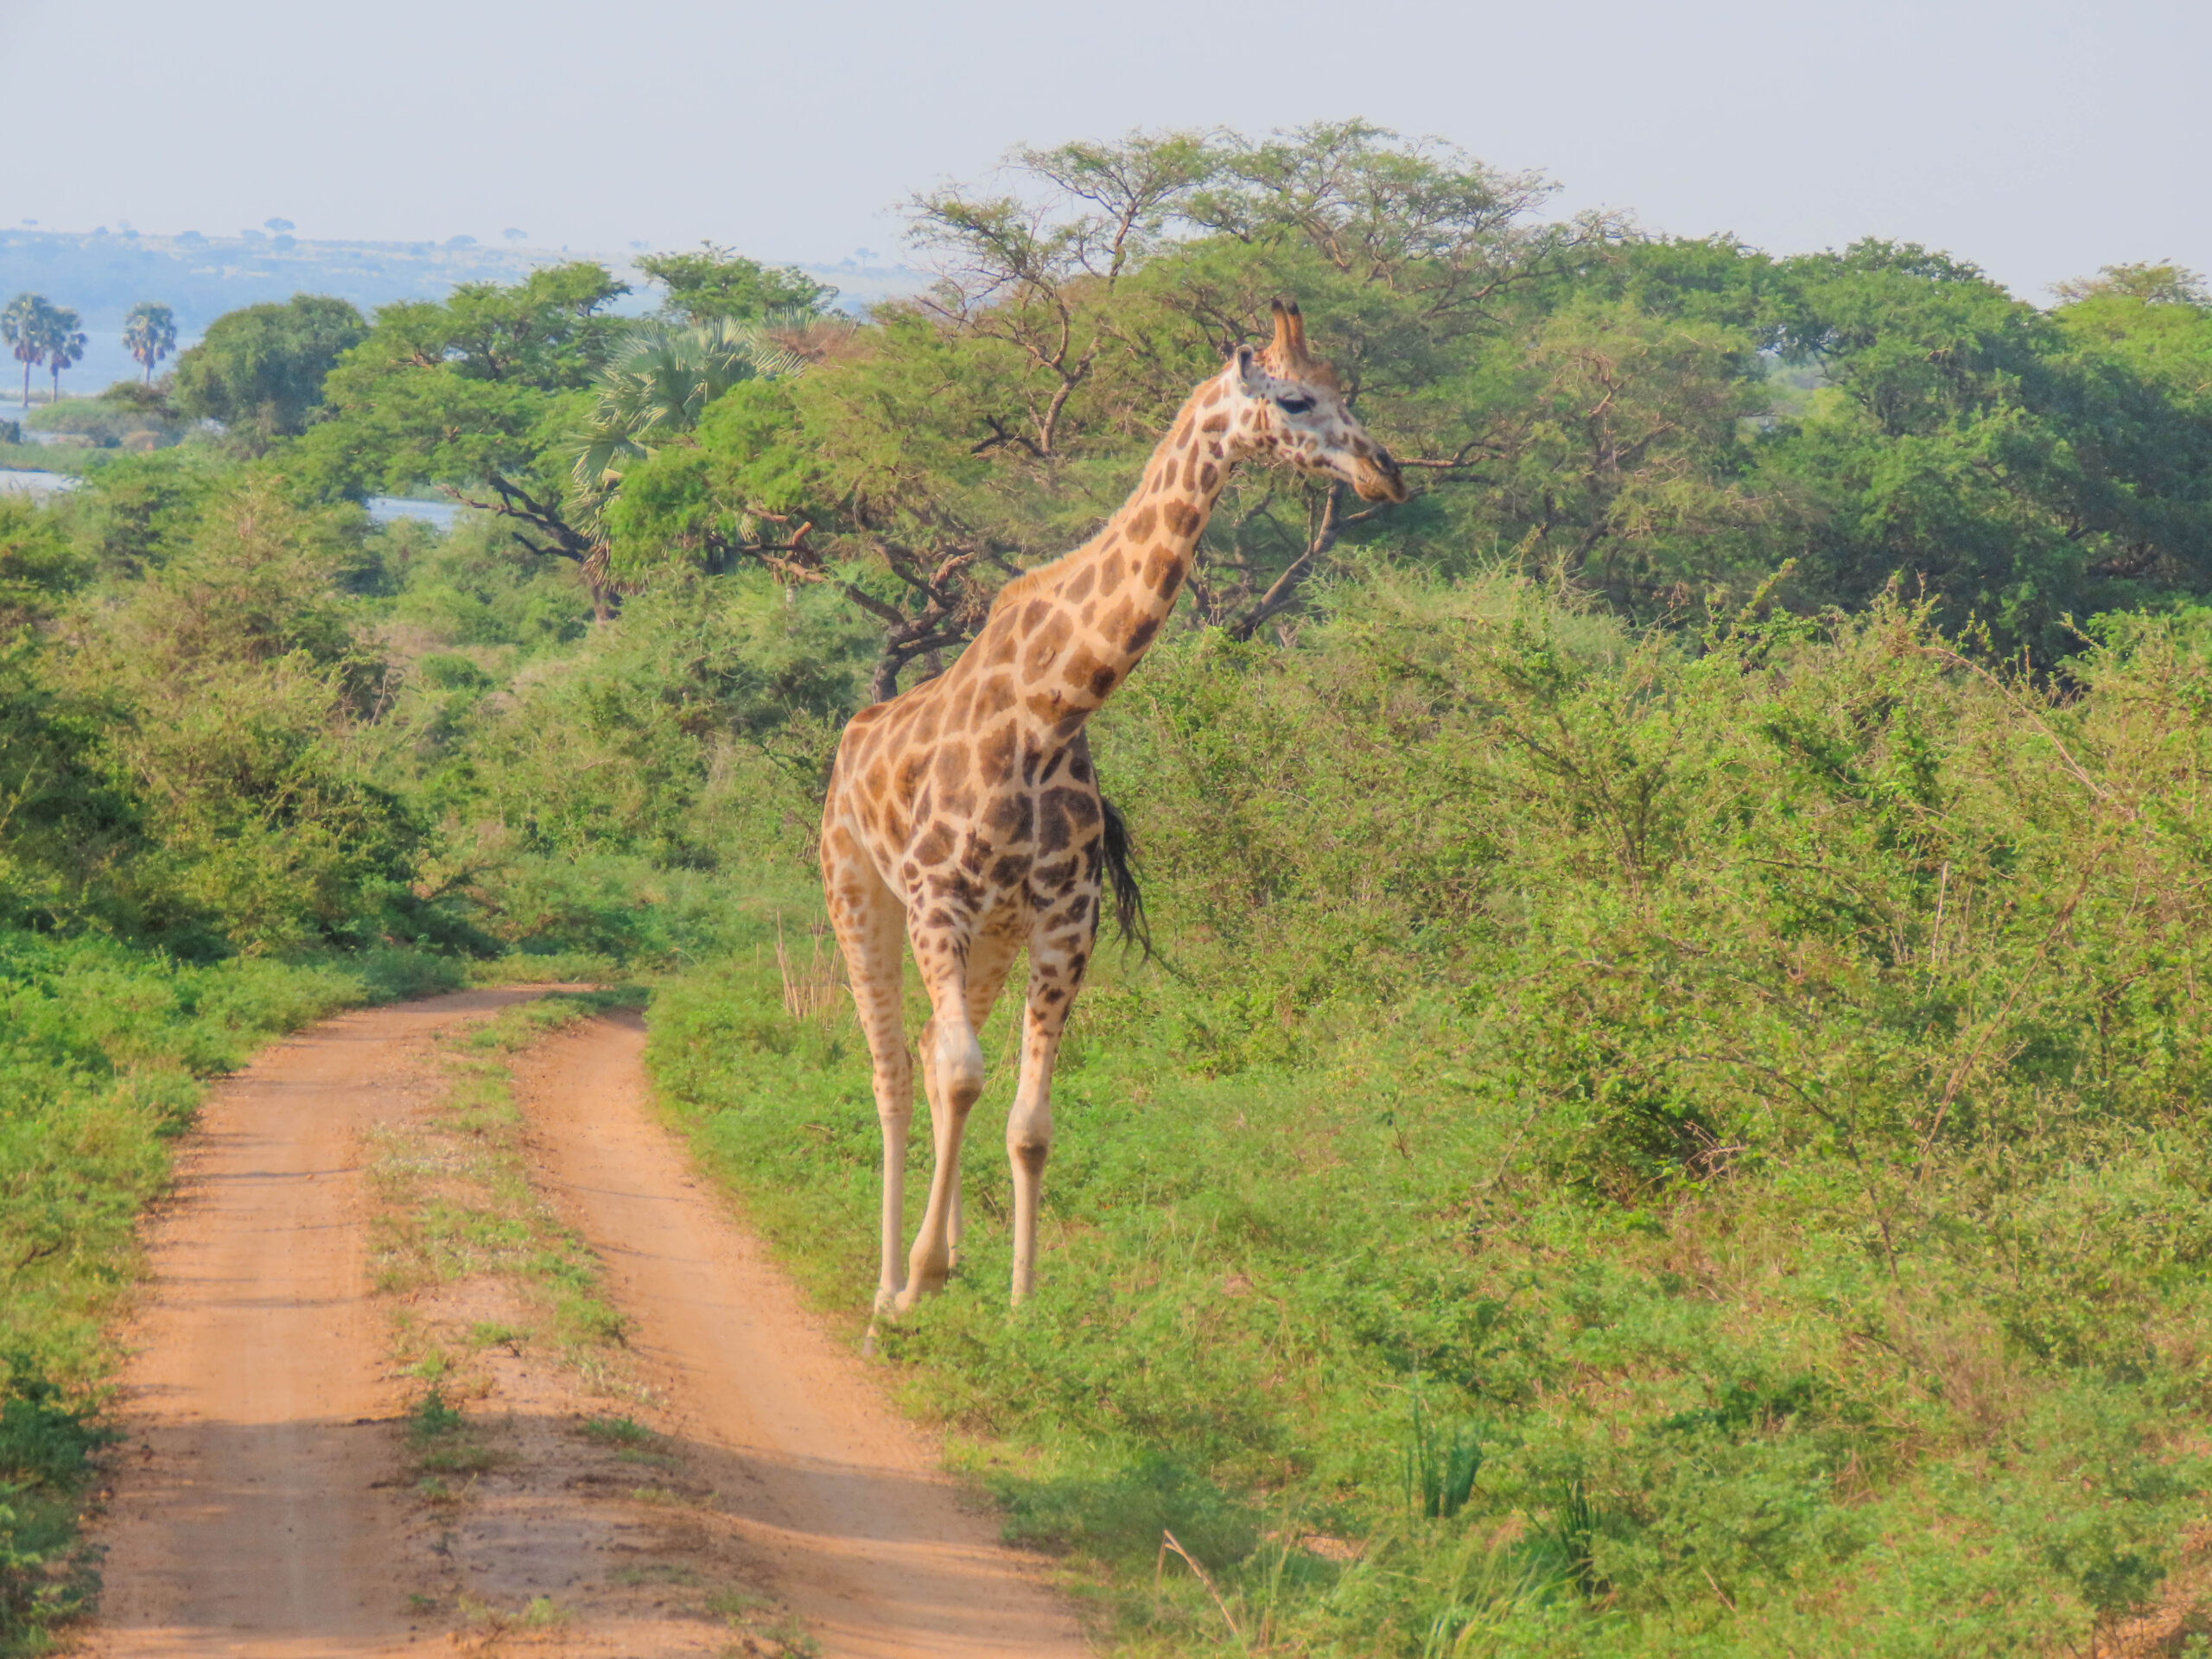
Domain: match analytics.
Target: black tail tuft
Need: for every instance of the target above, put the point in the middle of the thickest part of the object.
(1122, 876)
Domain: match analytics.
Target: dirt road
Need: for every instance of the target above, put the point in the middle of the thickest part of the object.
(260, 1507)
(255, 1510)
(860, 1535)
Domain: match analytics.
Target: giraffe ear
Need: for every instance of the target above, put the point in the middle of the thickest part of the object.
(1249, 375)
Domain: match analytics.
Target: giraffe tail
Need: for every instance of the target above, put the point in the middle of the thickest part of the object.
(1122, 877)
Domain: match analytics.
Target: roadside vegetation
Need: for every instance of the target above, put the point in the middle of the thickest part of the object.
(1666, 1115)
(1630, 1149)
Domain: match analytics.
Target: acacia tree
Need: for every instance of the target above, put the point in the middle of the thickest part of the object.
(994, 421)
(718, 284)
(150, 334)
(481, 393)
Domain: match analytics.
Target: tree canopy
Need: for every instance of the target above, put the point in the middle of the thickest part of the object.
(1678, 426)
(260, 370)
(715, 284)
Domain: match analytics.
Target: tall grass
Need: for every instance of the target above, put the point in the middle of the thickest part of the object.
(1733, 1112)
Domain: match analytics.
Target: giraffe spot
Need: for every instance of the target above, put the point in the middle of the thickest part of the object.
(1081, 666)
(1209, 475)
(994, 756)
(1044, 645)
(1052, 765)
(960, 890)
(1183, 433)
(934, 847)
(1212, 397)
(1033, 613)
(1140, 527)
(1012, 818)
(1011, 871)
(1183, 518)
(925, 730)
(1054, 994)
(1083, 807)
(1102, 682)
(1003, 644)
(956, 712)
(1111, 574)
(951, 766)
(939, 919)
(1079, 764)
(1031, 758)
(1049, 880)
(1054, 831)
(1214, 449)
(1079, 589)
(1215, 423)
(909, 779)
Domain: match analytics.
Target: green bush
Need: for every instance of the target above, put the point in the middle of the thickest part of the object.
(1756, 1081)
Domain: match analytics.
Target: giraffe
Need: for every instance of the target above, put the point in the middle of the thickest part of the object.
(965, 814)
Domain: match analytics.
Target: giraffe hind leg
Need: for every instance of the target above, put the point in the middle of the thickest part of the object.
(1057, 961)
(870, 923)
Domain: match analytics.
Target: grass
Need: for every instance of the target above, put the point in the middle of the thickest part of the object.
(455, 1202)
(45, 458)
(1633, 1151)
(456, 1199)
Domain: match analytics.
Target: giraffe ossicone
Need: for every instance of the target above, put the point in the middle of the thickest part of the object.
(964, 816)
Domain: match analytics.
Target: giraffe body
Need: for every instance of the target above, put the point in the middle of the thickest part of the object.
(964, 814)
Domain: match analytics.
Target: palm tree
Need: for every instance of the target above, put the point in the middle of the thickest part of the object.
(24, 326)
(150, 334)
(660, 381)
(65, 343)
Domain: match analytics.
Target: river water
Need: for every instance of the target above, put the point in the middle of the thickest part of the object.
(382, 508)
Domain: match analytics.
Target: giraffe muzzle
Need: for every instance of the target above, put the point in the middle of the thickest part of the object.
(1378, 478)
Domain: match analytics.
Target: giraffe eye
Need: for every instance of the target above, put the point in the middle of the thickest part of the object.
(1293, 405)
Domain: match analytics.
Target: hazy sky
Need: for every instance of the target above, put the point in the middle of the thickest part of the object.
(2039, 138)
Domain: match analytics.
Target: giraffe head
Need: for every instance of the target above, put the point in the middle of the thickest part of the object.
(1286, 404)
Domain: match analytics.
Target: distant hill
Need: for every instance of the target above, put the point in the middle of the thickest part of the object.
(104, 273)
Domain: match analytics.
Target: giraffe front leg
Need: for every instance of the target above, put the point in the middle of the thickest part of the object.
(1055, 976)
(953, 1075)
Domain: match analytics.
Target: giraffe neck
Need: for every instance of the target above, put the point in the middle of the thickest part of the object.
(1087, 619)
